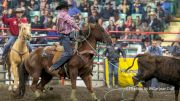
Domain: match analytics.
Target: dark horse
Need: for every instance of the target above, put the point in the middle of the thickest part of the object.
(36, 65)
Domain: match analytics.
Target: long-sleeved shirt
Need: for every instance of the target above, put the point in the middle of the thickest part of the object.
(65, 23)
(13, 24)
(154, 50)
(113, 53)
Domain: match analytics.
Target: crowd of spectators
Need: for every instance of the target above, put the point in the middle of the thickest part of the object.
(113, 15)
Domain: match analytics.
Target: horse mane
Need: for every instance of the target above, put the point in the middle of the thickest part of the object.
(92, 25)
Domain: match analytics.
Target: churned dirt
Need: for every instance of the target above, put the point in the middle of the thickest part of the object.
(104, 94)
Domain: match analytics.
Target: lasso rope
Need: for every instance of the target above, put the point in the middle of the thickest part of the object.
(122, 95)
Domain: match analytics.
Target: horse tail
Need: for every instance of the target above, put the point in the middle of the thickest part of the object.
(139, 55)
(23, 77)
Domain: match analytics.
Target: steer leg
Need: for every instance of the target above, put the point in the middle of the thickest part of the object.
(136, 94)
(149, 90)
(176, 92)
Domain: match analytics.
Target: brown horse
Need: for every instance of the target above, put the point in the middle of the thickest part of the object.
(79, 65)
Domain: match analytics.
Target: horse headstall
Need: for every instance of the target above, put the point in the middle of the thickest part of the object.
(84, 36)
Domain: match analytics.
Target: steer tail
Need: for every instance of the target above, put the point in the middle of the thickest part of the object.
(139, 55)
(23, 77)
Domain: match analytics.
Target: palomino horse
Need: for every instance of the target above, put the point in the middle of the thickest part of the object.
(18, 52)
(79, 65)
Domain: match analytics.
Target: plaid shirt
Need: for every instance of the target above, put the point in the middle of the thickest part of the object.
(65, 23)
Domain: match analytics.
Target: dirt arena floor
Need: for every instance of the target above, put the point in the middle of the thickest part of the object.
(63, 94)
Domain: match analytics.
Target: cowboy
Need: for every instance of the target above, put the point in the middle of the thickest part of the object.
(14, 24)
(65, 26)
(112, 53)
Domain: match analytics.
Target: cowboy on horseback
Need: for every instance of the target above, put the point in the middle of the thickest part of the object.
(65, 26)
(14, 24)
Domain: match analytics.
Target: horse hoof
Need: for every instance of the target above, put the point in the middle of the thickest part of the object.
(10, 88)
(37, 94)
(74, 99)
(96, 100)
(15, 88)
(151, 96)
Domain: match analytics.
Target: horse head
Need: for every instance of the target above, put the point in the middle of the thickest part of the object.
(98, 32)
(25, 31)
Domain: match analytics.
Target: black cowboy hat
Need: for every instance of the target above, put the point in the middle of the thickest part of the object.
(62, 4)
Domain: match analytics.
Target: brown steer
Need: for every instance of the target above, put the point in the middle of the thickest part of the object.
(165, 69)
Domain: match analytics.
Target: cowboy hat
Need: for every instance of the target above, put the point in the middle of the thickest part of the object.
(62, 4)
(19, 10)
(109, 3)
(152, 13)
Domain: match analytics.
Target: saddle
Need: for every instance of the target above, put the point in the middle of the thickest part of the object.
(56, 50)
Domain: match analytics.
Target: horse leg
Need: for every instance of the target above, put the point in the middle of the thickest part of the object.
(9, 75)
(176, 92)
(35, 79)
(73, 76)
(88, 82)
(15, 74)
(45, 78)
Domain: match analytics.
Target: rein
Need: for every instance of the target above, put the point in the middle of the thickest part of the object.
(84, 38)
(20, 53)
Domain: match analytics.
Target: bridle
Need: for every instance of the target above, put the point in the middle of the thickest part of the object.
(83, 37)
(23, 37)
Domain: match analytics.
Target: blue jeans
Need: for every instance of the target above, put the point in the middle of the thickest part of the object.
(10, 42)
(113, 71)
(68, 51)
(154, 83)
